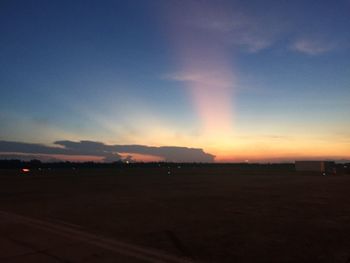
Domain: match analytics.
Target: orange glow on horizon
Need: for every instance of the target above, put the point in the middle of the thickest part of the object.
(257, 151)
(142, 157)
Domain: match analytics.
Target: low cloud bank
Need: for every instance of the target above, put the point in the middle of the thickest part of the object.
(107, 152)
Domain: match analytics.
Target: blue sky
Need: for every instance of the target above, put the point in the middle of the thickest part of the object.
(240, 79)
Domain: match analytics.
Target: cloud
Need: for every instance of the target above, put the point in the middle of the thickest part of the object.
(108, 152)
(244, 32)
(312, 46)
(169, 153)
(34, 148)
(28, 157)
(214, 78)
(229, 25)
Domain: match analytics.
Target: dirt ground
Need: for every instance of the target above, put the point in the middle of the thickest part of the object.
(207, 214)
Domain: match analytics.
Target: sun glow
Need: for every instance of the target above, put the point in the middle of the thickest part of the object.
(205, 70)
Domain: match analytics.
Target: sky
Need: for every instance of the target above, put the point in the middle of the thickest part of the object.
(224, 81)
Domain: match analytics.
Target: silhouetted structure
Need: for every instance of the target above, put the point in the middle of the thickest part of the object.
(322, 167)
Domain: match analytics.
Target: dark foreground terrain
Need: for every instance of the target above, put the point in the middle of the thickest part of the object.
(208, 214)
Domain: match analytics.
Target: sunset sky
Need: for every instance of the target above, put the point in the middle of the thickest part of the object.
(240, 80)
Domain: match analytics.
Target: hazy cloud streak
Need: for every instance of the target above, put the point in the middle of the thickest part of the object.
(312, 47)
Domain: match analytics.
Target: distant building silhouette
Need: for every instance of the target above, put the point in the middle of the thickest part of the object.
(323, 167)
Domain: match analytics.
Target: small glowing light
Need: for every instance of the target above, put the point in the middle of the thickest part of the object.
(127, 162)
(25, 170)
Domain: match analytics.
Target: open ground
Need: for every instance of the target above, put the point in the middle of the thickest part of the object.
(205, 214)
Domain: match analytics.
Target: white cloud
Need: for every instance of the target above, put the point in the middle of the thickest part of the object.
(252, 42)
(312, 46)
(212, 78)
(230, 27)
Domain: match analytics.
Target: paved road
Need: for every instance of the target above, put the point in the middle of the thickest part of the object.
(24, 239)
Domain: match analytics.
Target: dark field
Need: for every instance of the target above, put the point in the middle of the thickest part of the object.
(209, 214)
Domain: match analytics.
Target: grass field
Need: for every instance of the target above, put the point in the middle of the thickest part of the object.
(217, 214)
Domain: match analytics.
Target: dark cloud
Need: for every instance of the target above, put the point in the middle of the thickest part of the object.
(108, 152)
(21, 147)
(28, 157)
